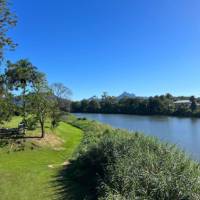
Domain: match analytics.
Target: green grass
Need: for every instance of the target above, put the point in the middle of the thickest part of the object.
(13, 123)
(25, 175)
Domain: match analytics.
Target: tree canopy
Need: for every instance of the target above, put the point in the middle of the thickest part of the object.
(7, 20)
(157, 105)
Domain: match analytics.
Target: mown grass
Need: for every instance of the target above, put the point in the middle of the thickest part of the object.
(116, 165)
(14, 122)
(26, 175)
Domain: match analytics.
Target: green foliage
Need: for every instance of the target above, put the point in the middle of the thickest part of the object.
(31, 123)
(6, 108)
(23, 76)
(193, 106)
(183, 111)
(157, 105)
(7, 20)
(114, 164)
(40, 103)
(108, 103)
(55, 114)
(94, 106)
(36, 99)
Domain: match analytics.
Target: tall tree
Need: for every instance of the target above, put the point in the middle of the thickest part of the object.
(94, 106)
(108, 103)
(22, 75)
(62, 95)
(84, 105)
(41, 103)
(7, 20)
(193, 106)
(61, 91)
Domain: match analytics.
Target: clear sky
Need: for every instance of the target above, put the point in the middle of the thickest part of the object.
(147, 47)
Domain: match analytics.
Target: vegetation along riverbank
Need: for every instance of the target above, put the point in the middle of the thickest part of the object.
(114, 164)
(130, 104)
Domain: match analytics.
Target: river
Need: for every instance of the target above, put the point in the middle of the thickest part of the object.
(184, 132)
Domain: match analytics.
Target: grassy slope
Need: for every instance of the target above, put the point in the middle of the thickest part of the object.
(25, 175)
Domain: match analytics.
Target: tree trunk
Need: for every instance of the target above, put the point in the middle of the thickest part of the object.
(42, 128)
(24, 102)
(24, 109)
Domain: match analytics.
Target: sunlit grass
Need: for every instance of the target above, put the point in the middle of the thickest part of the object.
(25, 175)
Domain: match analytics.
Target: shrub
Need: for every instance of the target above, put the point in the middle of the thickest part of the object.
(31, 123)
(118, 165)
(142, 168)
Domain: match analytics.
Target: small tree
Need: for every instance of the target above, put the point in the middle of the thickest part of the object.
(61, 102)
(41, 103)
(55, 113)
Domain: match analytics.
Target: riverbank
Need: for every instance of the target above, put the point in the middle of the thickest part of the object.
(114, 164)
(88, 160)
(165, 105)
(184, 132)
(190, 116)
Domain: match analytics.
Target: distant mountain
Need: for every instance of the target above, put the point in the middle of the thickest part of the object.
(94, 97)
(121, 96)
(126, 94)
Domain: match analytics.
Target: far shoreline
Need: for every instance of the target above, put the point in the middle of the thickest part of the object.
(145, 115)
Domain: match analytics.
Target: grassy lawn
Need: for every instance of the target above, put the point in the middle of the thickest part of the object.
(31, 174)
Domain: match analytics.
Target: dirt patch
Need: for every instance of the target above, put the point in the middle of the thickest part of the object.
(65, 163)
(50, 140)
(52, 166)
(59, 148)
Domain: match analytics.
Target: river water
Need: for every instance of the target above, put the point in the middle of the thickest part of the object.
(184, 132)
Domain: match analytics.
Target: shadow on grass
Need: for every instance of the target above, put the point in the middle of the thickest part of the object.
(15, 133)
(69, 185)
(3, 143)
(13, 137)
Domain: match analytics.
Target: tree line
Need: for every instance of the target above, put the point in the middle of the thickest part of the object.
(157, 105)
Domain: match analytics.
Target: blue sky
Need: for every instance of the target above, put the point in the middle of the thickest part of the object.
(140, 46)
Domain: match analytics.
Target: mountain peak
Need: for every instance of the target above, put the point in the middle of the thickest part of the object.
(126, 94)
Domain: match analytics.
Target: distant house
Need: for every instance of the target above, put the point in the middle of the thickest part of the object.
(186, 103)
(183, 102)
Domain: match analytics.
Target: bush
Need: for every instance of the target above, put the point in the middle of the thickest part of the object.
(31, 123)
(117, 165)
(142, 168)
